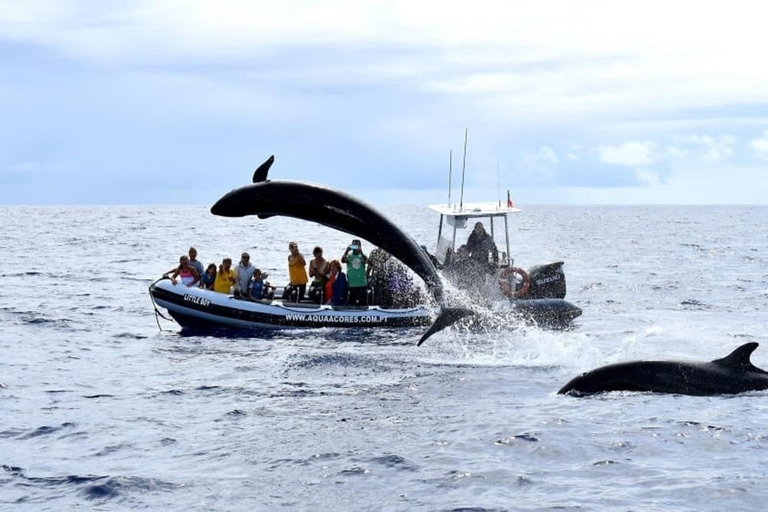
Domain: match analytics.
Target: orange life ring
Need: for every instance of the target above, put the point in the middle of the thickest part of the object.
(507, 285)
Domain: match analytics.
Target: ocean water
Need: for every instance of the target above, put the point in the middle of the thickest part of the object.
(105, 407)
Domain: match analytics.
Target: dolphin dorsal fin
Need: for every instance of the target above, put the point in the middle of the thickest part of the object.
(739, 358)
(260, 174)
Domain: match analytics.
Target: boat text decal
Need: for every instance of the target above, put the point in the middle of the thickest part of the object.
(197, 300)
(363, 319)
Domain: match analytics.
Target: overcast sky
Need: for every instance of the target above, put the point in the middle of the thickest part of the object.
(169, 101)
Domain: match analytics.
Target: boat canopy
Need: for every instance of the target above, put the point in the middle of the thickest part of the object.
(456, 216)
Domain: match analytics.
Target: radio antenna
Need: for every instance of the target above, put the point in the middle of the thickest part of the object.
(463, 168)
(450, 174)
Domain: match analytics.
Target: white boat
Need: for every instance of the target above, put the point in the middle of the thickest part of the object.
(537, 294)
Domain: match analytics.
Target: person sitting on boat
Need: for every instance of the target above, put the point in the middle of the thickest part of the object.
(186, 272)
(336, 286)
(297, 272)
(243, 275)
(193, 262)
(258, 285)
(209, 277)
(480, 244)
(318, 270)
(356, 259)
(225, 277)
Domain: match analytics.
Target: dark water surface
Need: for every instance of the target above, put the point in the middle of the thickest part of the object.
(101, 410)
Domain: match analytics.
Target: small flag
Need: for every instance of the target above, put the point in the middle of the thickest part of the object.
(510, 204)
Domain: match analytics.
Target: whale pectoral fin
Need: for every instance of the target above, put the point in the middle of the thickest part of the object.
(739, 358)
(446, 318)
(260, 174)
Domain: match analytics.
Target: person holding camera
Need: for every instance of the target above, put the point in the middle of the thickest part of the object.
(356, 259)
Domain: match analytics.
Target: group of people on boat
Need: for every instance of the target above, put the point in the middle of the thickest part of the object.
(378, 279)
(245, 280)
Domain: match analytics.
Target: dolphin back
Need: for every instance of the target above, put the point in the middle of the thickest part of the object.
(732, 374)
(739, 359)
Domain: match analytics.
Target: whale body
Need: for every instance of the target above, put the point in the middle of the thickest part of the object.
(338, 210)
(730, 375)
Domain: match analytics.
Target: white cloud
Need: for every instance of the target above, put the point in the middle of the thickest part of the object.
(630, 154)
(395, 81)
(760, 146)
(547, 154)
(649, 178)
(715, 149)
(676, 152)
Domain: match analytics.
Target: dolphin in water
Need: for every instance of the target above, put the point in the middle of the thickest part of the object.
(732, 374)
(338, 210)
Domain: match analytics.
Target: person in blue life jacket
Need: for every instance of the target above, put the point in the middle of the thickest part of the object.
(258, 285)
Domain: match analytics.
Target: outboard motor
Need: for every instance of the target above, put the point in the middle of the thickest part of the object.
(547, 281)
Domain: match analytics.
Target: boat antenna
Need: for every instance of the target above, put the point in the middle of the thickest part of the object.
(463, 168)
(498, 182)
(450, 174)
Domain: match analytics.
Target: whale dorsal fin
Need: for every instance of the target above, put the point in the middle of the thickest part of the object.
(739, 358)
(260, 174)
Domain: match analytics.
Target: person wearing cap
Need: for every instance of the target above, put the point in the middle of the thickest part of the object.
(357, 281)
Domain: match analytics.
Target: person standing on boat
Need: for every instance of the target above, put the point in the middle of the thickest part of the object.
(356, 277)
(297, 272)
(243, 275)
(225, 277)
(188, 275)
(318, 270)
(194, 262)
(480, 244)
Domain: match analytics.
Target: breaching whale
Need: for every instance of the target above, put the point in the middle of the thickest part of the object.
(343, 212)
(732, 374)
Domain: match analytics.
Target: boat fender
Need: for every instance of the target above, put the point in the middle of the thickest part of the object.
(507, 285)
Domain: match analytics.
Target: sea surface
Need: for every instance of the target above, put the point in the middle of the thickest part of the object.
(103, 406)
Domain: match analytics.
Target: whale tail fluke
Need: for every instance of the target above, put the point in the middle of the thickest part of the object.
(446, 318)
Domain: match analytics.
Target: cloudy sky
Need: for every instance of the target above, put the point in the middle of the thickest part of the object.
(170, 101)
